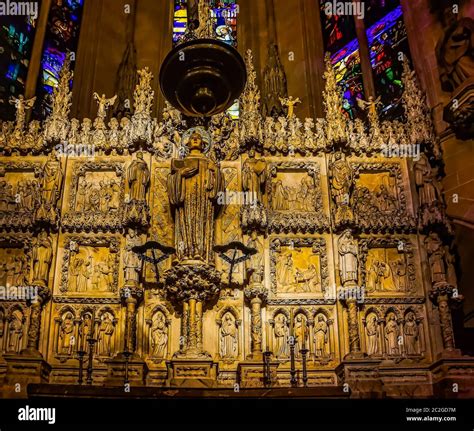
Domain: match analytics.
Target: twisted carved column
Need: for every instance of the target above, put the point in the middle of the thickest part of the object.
(257, 295)
(34, 327)
(442, 296)
(131, 297)
(353, 327)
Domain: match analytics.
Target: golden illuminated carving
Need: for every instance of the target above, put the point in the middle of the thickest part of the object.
(342, 242)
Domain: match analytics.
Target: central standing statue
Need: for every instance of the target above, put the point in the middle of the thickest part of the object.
(193, 187)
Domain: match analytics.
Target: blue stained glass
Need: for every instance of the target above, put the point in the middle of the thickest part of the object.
(387, 39)
(16, 40)
(62, 37)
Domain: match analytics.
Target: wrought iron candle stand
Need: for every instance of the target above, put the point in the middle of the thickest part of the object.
(126, 355)
(90, 365)
(81, 354)
(293, 380)
(304, 352)
(267, 380)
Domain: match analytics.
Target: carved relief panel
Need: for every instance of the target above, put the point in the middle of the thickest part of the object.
(379, 198)
(90, 265)
(299, 266)
(295, 197)
(96, 196)
(20, 192)
(389, 266)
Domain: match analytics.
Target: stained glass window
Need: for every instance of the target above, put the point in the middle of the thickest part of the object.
(224, 16)
(388, 44)
(340, 40)
(180, 20)
(61, 38)
(16, 42)
(377, 9)
(349, 78)
(338, 30)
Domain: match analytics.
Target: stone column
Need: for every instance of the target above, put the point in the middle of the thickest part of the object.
(257, 295)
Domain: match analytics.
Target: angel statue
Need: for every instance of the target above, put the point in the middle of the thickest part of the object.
(21, 105)
(370, 106)
(104, 104)
(290, 103)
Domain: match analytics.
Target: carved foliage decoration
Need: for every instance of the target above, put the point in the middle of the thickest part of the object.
(299, 266)
(90, 265)
(295, 198)
(96, 196)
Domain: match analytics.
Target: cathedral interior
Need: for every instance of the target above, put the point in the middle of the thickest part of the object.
(237, 195)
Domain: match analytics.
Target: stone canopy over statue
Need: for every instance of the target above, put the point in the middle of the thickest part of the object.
(193, 187)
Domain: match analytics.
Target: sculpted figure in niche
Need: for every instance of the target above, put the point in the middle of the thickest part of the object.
(138, 178)
(391, 335)
(106, 331)
(228, 336)
(411, 332)
(159, 336)
(282, 333)
(301, 334)
(348, 261)
(455, 50)
(66, 334)
(429, 188)
(342, 180)
(131, 260)
(193, 187)
(42, 258)
(321, 337)
(15, 332)
(254, 176)
(51, 183)
(255, 263)
(372, 335)
(436, 258)
(85, 331)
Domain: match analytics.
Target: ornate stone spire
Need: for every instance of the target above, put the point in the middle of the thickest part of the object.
(127, 71)
(332, 99)
(251, 120)
(419, 121)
